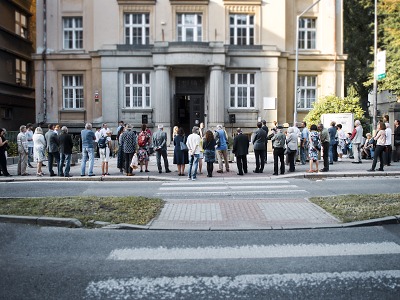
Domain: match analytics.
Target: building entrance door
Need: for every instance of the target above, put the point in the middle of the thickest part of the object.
(189, 103)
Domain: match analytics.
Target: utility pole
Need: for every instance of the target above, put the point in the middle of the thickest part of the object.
(375, 102)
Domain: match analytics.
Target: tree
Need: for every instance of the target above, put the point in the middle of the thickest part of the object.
(333, 104)
(389, 40)
(358, 39)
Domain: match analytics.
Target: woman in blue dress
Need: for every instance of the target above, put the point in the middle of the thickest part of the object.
(314, 148)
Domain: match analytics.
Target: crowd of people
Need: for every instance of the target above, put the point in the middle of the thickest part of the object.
(211, 145)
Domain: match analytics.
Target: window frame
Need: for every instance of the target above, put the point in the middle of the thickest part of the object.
(237, 88)
(77, 103)
(21, 75)
(195, 27)
(21, 24)
(77, 44)
(304, 90)
(143, 27)
(307, 35)
(247, 27)
(144, 97)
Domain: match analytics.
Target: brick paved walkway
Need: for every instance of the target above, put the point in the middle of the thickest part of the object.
(241, 214)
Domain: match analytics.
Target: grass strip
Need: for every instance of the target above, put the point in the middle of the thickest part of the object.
(350, 208)
(131, 210)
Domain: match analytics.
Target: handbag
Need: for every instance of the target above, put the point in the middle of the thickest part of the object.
(183, 146)
(134, 162)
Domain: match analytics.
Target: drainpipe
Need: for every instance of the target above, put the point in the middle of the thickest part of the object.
(44, 61)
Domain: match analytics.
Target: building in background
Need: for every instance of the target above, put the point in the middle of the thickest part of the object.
(182, 62)
(17, 35)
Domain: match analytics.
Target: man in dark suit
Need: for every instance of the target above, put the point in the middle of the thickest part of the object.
(265, 128)
(258, 140)
(52, 150)
(241, 149)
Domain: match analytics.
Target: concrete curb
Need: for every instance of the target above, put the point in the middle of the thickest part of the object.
(42, 221)
(75, 223)
(164, 178)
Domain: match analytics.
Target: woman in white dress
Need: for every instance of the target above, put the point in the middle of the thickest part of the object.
(39, 147)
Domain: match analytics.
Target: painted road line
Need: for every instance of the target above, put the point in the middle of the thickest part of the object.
(191, 188)
(233, 192)
(235, 287)
(243, 181)
(255, 251)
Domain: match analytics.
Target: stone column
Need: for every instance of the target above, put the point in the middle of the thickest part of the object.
(162, 99)
(216, 103)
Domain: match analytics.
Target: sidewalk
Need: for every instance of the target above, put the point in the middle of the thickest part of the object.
(211, 213)
(339, 169)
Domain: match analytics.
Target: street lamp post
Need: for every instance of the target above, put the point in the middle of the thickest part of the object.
(296, 74)
(375, 99)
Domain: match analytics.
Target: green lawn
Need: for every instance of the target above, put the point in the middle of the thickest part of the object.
(131, 210)
(349, 208)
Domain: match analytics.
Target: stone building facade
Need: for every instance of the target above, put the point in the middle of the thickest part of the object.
(17, 35)
(182, 62)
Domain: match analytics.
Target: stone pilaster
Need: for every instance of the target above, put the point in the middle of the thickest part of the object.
(216, 103)
(162, 99)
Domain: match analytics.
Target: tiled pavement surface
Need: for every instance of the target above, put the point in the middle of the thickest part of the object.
(241, 214)
(211, 213)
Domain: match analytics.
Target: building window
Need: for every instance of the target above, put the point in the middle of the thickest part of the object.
(137, 90)
(72, 91)
(21, 24)
(189, 27)
(242, 90)
(20, 71)
(241, 28)
(307, 33)
(307, 86)
(73, 33)
(137, 29)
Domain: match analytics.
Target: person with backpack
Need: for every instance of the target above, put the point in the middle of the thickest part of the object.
(314, 148)
(104, 148)
(143, 152)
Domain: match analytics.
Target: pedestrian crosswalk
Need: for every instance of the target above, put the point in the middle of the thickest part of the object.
(208, 283)
(228, 188)
(236, 204)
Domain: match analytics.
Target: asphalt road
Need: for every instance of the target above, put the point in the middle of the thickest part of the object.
(59, 263)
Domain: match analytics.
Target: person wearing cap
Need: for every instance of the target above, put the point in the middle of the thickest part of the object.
(160, 146)
(278, 144)
(241, 149)
(193, 144)
(258, 140)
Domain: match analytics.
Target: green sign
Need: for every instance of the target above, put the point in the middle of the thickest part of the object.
(381, 76)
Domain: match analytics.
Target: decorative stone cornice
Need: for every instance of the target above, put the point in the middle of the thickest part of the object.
(189, 2)
(241, 9)
(243, 2)
(136, 2)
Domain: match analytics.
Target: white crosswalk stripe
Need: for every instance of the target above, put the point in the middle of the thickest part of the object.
(232, 287)
(186, 189)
